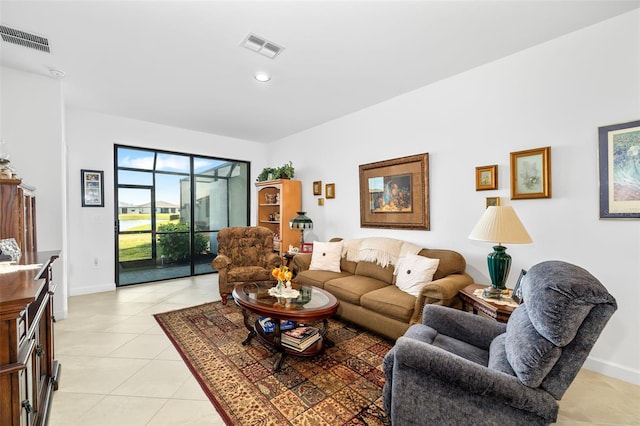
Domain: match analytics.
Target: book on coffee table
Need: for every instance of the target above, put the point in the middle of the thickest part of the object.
(301, 345)
(300, 333)
(300, 338)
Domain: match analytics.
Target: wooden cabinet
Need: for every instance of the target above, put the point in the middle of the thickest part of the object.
(28, 370)
(278, 202)
(18, 219)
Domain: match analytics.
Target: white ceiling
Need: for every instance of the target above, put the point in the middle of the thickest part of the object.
(180, 63)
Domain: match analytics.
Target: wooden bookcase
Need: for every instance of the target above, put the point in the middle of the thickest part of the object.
(18, 218)
(278, 202)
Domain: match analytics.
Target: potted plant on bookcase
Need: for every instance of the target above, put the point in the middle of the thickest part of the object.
(286, 171)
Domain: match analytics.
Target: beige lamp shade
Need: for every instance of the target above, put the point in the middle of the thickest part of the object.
(500, 224)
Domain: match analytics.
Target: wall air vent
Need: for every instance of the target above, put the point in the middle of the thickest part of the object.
(262, 46)
(23, 38)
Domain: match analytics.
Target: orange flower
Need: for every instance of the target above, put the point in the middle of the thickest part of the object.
(282, 274)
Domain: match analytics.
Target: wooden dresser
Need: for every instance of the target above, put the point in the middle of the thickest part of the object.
(28, 371)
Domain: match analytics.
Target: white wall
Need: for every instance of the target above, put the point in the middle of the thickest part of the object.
(555, 94)
(32, 115)
(91, 138)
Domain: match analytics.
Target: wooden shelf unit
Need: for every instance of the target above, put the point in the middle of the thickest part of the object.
(18, 219)
(287, 205)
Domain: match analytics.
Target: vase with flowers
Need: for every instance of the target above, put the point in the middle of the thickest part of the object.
(283, 289)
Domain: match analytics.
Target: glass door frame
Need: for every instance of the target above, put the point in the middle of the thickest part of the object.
(193, 229)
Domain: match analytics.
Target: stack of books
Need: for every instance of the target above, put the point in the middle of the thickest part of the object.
(268, 326)
(299, 338)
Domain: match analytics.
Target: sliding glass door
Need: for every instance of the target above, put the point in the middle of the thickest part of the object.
(170, 207)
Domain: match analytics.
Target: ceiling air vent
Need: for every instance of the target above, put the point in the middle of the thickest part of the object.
(262, 46)
(22, 38)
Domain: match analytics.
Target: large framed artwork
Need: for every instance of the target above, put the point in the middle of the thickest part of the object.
(395, 193)
(92, 188)
(619, 152)
(531, 173)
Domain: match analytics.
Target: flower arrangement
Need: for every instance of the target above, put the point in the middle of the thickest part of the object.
(282, 274)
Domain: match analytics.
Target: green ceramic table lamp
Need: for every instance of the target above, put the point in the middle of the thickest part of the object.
(499, 224)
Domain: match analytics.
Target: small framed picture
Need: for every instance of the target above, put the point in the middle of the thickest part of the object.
(330, 190)
(531, 173)
(306, 248)
(486, 177)
(493, 201)
(92, 188)
(517, 290)
(317, 187)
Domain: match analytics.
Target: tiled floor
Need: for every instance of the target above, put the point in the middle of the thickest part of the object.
(119, 369)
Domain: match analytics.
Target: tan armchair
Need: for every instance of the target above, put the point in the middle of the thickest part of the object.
(245, 254)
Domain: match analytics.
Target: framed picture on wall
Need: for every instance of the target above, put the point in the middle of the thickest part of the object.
(492, 201)
(330, 190)
(317, 187)
(531, 173)
(92, 186)
(395, 193)
(619, 158)
(486, 177)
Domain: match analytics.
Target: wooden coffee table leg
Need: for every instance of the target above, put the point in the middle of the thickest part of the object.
(249, 326)
(278, 364)
(327, 342)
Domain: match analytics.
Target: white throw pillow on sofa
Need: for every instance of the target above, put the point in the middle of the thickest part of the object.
(326, 256)
(414, 272)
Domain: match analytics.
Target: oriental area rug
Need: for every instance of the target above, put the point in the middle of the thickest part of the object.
(342, 386)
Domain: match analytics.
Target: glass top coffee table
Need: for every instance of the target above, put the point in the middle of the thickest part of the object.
(312, 305)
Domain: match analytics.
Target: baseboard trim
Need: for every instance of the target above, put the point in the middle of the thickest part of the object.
(613, 370)
(79, 291)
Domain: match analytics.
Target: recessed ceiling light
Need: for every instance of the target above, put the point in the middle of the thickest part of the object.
(262, 76)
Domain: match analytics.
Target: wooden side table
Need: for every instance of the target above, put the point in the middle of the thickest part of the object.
(288, 257)
(500, 313)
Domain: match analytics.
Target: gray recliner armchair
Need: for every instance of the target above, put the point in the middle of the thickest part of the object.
(460, 368)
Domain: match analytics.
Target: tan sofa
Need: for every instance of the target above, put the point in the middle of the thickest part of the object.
(368, 295)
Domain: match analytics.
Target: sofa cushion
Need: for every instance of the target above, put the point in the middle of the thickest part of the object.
(372, 270)
(348, 265)
(530, 355)
(326, 256)
(351, 288)
(451, 262)
(391, 302)
(414, 272)
(318, 278)
(562, 299)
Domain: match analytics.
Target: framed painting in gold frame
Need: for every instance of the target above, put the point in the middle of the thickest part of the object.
(317, 187)
(486, 177)
(492, 201)
(531, 173)
(330, 190)
(395, 193)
